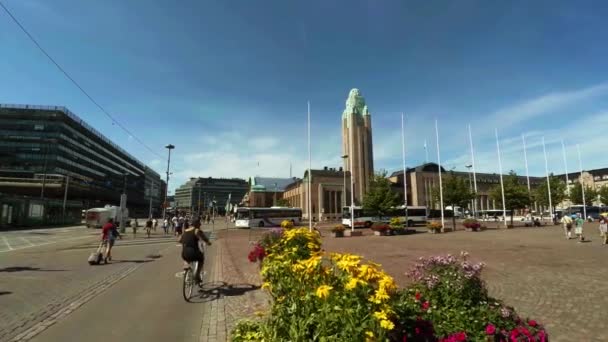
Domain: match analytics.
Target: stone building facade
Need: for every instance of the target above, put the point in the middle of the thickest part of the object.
(328, 194)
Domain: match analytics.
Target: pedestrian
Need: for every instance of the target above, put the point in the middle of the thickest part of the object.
(173, 224)
(134, 225)
(579, 227)
(567, 222)
(604, 228)
(109, 233)
(154, 223)
(166, 226)
(178, 227)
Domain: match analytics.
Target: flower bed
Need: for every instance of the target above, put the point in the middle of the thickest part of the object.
(341, 297)
(381, 228)
(434, 227)
(338, 230)
(471, 225)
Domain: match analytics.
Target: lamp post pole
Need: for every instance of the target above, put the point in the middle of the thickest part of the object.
(344, 157)
(168, 147)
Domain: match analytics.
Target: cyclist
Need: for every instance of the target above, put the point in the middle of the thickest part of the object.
(191, 251)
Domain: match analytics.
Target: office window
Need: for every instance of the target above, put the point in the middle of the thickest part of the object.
(36, 210)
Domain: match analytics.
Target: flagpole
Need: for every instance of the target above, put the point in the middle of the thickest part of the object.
(351, 156)
(523, 139)
(440, 181)
(566, 168)
(426, 152)
(580, 165)
(404, 169)
(548, 180)
(309, 175)
(502, 185)
(474, 173)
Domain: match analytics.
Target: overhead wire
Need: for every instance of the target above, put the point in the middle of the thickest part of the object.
(69, 77)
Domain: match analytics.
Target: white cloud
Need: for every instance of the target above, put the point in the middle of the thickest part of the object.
(527, 110)
(262, 143)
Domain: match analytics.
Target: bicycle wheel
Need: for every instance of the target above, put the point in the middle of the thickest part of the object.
(188, 284)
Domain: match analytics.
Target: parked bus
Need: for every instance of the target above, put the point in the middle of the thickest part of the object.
(415, 215)
(493, 215)
(365, 219)
(266, 217)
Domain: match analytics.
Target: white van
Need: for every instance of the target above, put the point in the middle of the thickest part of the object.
(97, 217)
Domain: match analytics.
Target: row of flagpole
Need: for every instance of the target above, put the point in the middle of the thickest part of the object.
(350, 129)
(500, 170)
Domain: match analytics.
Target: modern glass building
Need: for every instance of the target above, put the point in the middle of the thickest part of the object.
(209, 192)
(46, 150)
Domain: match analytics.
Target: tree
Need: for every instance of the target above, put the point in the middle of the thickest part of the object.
(603, 192)
(516, 194)
(456, 192)
(576, 194)
(283, 203)
(558, 191)
(380, 198)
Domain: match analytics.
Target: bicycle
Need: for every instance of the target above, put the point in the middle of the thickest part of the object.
(189, 281)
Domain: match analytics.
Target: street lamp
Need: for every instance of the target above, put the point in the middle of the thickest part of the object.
(344, 157)
(469, 166)
(168, 147)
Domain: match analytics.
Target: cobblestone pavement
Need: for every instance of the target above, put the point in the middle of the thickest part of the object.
(556, 281)
(42, 284)
(233, 286)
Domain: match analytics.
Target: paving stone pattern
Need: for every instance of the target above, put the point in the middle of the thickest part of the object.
(559, 282)
(228, 265)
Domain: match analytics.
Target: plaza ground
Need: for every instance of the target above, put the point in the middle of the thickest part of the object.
(49, 293)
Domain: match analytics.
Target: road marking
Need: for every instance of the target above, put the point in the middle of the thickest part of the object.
(7, 244)
(27, 241)
(40, 244)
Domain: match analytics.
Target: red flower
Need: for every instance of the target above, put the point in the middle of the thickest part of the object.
(532, 323)
(461, 336)
(418, 295)
(417, 331)
(490, 329)
(425, 305)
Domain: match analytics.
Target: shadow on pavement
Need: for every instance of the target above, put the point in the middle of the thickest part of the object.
(136, 261)
(215, 290)
(26, 268)
(2, 293)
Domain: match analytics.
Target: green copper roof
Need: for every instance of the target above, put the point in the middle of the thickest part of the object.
(355, 103)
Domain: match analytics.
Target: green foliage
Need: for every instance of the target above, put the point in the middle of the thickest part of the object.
(380, 198)
(558, 191)
(456, 192)
(603, 192)
(516, 194)
(247, 331)
(576, 194)
(283, 203)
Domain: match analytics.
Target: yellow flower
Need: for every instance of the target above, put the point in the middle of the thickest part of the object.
(297, 268)
(380, 296)
(351, 284)
(266, 286)
(380, 315)
(312, 262)
(323, 291)
(386, 324)
(369, 333)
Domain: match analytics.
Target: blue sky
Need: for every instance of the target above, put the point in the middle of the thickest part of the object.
(227, 81)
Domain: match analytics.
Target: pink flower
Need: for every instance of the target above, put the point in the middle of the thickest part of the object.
(532, 323)
(417, 331)
(490, 329)
(425, 306)
(461, 336)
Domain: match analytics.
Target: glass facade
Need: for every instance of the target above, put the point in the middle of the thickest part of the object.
(37, 141)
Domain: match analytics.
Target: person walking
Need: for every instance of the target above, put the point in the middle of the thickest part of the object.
(148, 227)
(154, 224)
(173, 224)
(604, 229)
(109, 233)
(579, 227)
(166, 226)
(134, 225)
(567, 222)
